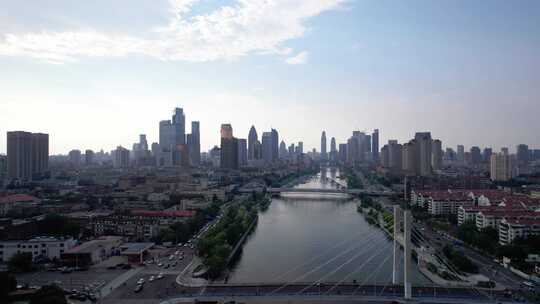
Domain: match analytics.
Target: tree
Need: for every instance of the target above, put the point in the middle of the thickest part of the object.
(8, 283)
(20, 262)
(50, 294)
(58, 225)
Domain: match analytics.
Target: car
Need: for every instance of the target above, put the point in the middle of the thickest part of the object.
(160, 265)
(111, 267)
(181, 257)
(140, 281)
(177, 252)
(152, 278)
(186, 244)
(173, 264)
(159, 276)
(166, 266)
(171, 257)
(139, 288)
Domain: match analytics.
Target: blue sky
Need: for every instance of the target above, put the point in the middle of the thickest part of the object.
(95, 74)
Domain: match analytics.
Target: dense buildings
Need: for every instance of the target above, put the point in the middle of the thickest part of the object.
(27, 155)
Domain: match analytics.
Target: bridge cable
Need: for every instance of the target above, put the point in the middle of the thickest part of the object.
(354, 257)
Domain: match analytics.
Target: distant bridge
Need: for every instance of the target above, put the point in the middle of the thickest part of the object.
(330, 191)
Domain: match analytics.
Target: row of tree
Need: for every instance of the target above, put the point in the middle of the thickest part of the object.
(217, 245)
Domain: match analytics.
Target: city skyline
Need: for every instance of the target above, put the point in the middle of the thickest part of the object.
(332, 65)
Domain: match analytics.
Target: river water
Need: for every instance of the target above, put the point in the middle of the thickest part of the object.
(311, 237)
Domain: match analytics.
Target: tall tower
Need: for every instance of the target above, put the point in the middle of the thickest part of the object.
(375, 145)
(195, 144)
(424, 142)
(179, 126)
(229, 148)
(275, 144)
(436, 159)
(323, 146)
(252, 139)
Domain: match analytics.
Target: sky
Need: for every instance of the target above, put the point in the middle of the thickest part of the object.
(96, 74)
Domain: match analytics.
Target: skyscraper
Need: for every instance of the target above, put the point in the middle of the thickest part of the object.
(88, 158)
(75, 158)
(437, 155)
(178, 123)
(375, 145)
(324, 155)
(27, 154)
(486, 155)
(252, 139)
(267, 147)
(194, 144)
(165, 134)
(522, 154)
(275, 145)
(476, 155)
(300, 148)
(242, 152)
(229, 148)
(460, 153)
(283, 152)
(424, 142)
(333, 149)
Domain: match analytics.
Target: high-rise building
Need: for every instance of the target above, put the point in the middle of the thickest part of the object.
(437, 155)
(178, 124)
(342, 152)
(460, 153)
(229, 148)
(476, 155)
(165, 134)
(333, 150)
(375, 145)
(75, 158)
(27, 154)
(252, 139)
(275, 145)
(395, 157)
(424, 142)
(194, 144)
(242, 152)
(300, 148)
(267, 147)
(283, 152)
(120, 157)
(486, 155)
(89, 158)
(410, 158)
(502, 167)
(522, 154)
(324, 155)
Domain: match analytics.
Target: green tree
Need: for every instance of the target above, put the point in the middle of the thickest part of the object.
(58, 225)
(50, 294)
(8, 283)
(20, 262)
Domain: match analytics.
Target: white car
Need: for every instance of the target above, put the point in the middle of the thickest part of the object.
(160, 265)
(140, 281)
(159, 276)
(151, 279)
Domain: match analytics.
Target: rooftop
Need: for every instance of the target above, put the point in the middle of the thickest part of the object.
(135, 248)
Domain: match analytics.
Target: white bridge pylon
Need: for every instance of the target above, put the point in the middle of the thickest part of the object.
(402, 230)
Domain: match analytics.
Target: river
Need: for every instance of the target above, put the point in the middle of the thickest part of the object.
(310, 237)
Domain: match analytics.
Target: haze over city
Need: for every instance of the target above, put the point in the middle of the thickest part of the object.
(97, 73)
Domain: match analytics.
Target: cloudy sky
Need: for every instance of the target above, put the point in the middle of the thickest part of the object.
(95, 74)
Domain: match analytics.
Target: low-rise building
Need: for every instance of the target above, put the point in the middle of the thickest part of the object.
(510, 229)
(136, 253)
(17, 201)
(92, 252)
(40, 247)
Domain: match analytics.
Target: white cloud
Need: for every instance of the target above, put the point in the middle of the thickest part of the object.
(300, 58)
(247, 26)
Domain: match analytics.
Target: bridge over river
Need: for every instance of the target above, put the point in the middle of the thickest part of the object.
(329, 292)
(325, 191)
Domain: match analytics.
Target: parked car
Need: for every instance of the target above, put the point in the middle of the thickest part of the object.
(138, 288)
